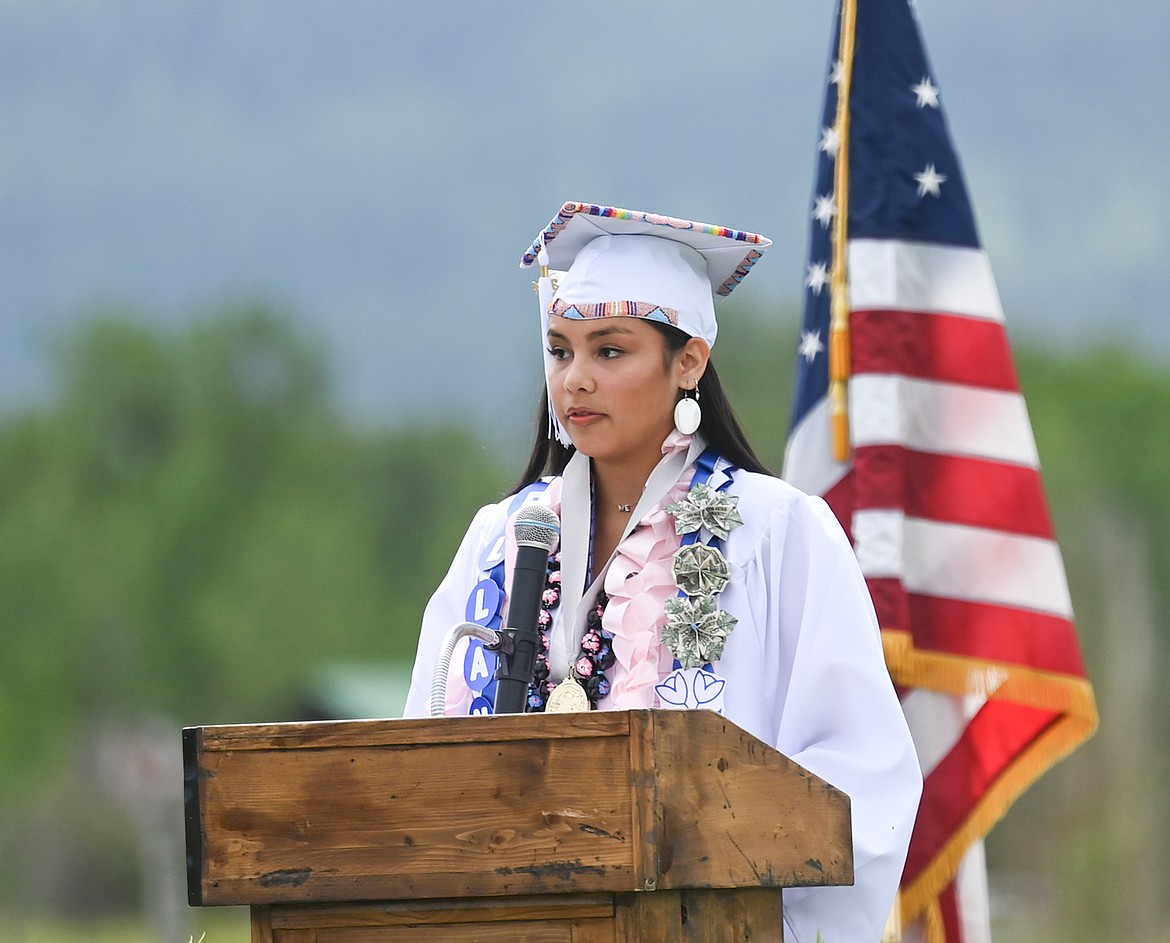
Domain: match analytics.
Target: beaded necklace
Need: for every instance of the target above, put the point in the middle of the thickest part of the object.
(594, 658)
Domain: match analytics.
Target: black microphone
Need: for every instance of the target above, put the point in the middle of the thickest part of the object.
(537, 531)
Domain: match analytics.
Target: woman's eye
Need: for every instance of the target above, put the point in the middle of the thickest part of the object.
(557, 353)
(608, 353)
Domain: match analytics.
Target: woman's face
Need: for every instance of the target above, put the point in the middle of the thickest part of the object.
(614, 385)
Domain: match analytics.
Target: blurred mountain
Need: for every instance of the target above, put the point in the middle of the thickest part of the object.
(380, 166)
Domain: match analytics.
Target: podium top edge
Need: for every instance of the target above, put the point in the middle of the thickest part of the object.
(407, 731)
(438, 730)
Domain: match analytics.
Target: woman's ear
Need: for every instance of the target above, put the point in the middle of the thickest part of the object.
(692, 362)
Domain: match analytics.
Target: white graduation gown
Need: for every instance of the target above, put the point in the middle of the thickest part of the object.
(804, 667)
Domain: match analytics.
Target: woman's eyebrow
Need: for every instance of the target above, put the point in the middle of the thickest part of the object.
(596, 333)
(615, 328)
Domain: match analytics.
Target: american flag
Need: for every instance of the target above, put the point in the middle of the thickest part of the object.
(940, 486)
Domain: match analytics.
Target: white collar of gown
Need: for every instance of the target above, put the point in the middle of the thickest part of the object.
(576, 528)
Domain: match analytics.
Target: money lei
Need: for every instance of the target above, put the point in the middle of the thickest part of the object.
(696, 628)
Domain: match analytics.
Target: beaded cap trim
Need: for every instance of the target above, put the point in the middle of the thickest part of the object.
(615, 309)
(569, 210)
(738, 275)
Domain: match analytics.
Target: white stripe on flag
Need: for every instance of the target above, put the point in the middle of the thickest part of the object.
(937, 721)
(916, 276)
(808, 457)
(972, 897)
(960, 562)
(941, 417)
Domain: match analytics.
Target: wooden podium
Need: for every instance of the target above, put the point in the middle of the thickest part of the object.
(648, 826)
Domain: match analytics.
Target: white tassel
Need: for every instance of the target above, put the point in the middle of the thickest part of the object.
(545, 291)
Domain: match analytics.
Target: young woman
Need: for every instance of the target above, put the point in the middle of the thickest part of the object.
(686, 575)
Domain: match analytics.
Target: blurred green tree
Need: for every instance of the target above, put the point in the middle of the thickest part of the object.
(190, 527)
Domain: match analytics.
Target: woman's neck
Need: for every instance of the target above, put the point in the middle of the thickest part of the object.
(616, 492)
(619, 487)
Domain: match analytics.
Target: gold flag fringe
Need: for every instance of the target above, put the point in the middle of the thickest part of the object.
(936, 930)
(1070, 697)
(840, 352)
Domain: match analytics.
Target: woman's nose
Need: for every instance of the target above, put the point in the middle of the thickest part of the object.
(577, 375)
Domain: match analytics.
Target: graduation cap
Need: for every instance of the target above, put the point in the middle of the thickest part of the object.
(612, 262)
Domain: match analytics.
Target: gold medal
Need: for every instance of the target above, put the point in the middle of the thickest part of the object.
(568, 697)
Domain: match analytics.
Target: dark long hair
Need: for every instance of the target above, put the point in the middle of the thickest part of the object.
(719, 425)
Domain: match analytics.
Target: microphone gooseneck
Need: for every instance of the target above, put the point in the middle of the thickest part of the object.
(490, 639)
(537, 530)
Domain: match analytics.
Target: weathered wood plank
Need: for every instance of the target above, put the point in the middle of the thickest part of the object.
(554, 932)
(514, 816)
(573, 918)
(332, 734)
(741, 814)
(645, 825)
(460, 910)
(743, 915)
(651, 917)
(261, 925)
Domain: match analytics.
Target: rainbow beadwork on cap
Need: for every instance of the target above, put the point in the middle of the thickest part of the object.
(569, 210)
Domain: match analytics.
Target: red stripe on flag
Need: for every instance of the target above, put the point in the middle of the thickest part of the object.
(1000, 634)
(959, 490)
(943, 347)
(948, 902)
(994, 737)
(841, 499)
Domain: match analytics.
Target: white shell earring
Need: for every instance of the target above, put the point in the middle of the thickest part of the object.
(687, 413)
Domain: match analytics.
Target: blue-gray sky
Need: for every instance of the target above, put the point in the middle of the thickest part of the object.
(378, 167)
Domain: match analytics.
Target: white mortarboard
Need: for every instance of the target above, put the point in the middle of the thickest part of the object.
(601, 261)
(675, 268)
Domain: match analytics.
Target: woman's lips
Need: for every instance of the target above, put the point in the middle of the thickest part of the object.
(582, 417)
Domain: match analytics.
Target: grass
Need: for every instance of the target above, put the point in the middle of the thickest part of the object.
(206, 925)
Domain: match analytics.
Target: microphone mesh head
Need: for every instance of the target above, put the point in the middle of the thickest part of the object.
(537, 526)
